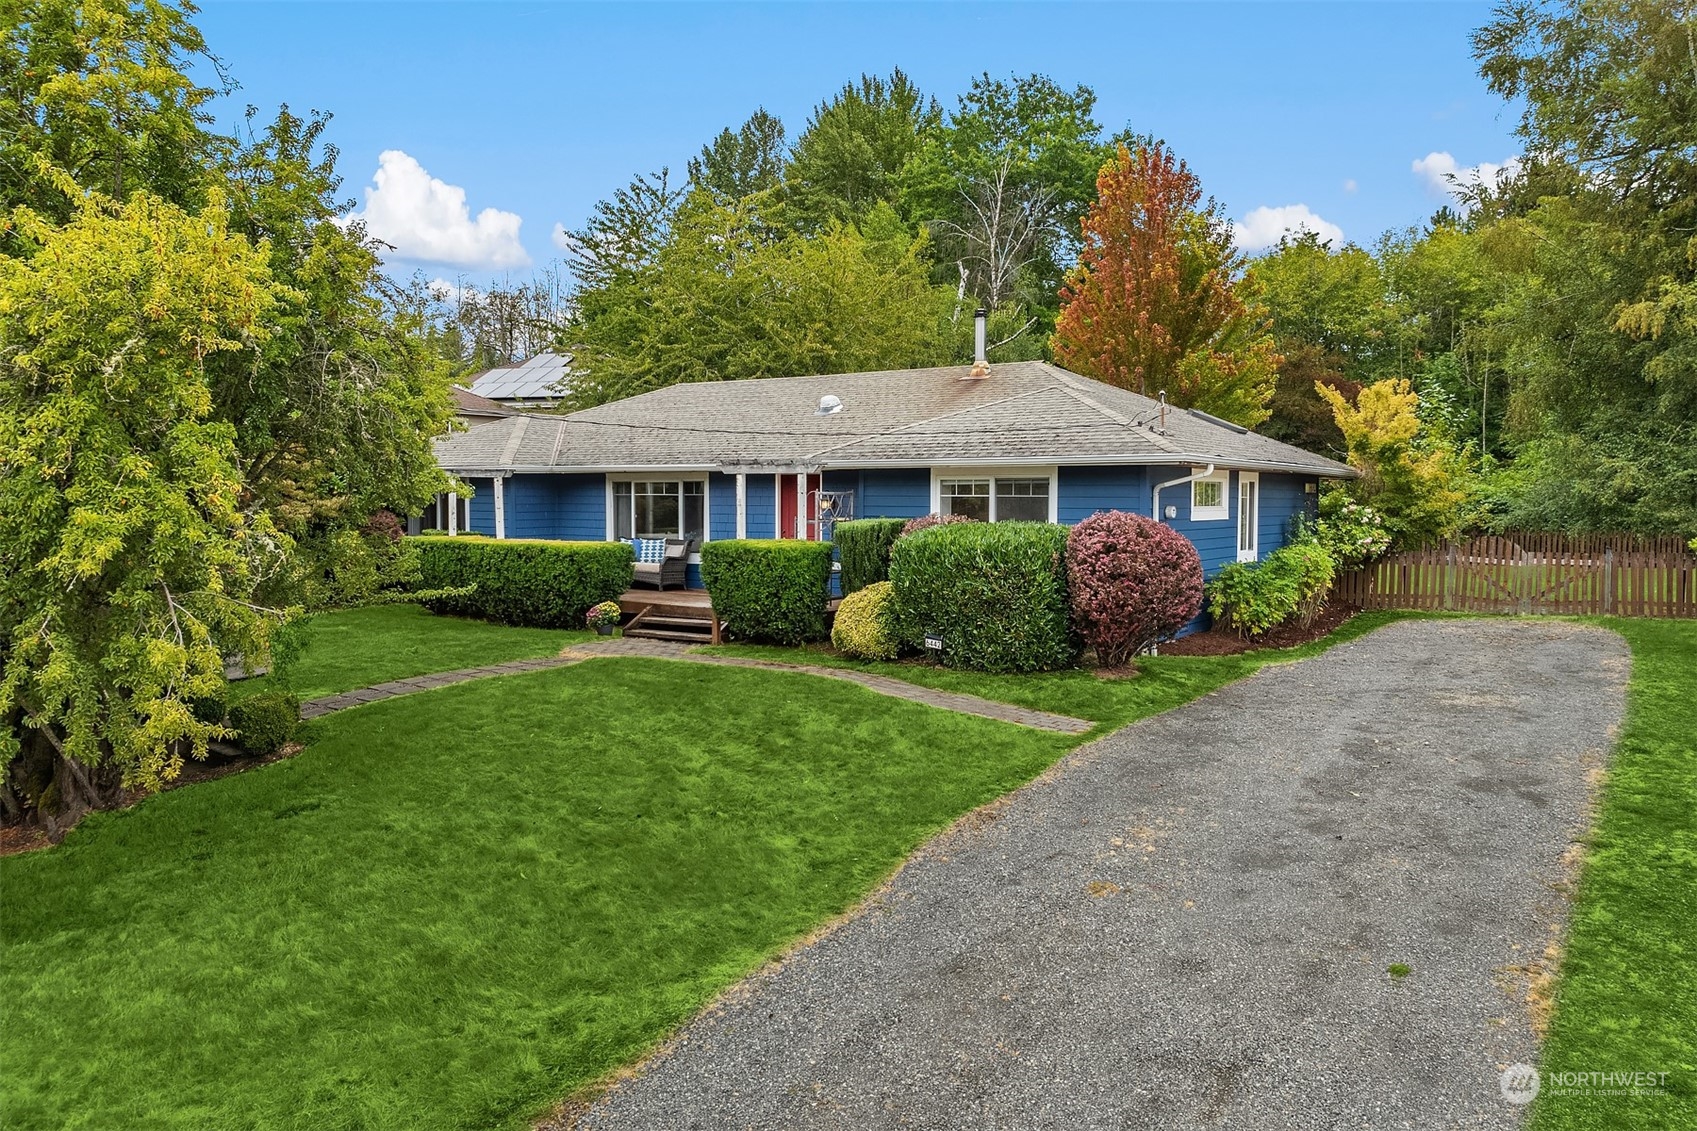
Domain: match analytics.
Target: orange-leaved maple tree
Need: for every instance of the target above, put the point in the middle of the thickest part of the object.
(1156, 303)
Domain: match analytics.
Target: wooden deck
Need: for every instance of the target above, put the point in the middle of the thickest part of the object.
(685, 601)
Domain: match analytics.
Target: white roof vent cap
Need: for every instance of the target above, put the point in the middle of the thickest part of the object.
(829, 405)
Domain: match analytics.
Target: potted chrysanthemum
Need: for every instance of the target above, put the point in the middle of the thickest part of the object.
(604, 618)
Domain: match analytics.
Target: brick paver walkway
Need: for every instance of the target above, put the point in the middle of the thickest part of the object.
(314, 708)
(883, 685)
(667, 650)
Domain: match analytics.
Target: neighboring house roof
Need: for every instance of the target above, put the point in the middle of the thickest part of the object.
(468, 403)
(1023, 413)
(539, 380)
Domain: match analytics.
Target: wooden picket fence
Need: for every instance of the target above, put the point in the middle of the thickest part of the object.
(1619, 575)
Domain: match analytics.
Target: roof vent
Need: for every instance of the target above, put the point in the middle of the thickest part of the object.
(1212, 419)
(829, 405)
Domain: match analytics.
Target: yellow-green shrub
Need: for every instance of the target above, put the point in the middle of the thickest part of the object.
(865, 626)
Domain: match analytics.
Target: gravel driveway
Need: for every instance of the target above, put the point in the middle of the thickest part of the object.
(1190, 922)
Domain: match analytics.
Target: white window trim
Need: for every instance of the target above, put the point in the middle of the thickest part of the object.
(1048, 471)
(1253, 553)
(662, 476)
(1220, 513)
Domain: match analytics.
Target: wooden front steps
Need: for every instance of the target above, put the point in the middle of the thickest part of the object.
(683, 615)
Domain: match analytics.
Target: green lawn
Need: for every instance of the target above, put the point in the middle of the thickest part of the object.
(360, 647)
(1627, 999)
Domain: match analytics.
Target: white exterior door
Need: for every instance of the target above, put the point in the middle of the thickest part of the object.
(1248, 516)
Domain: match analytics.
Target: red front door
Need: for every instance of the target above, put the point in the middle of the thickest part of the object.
(787, 508)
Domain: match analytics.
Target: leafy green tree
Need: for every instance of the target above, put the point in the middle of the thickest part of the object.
(335, 414)
(1609, 87)
(130, 559)
(99, 89)
(1334, 324)
(1597, 328)
(617, 247)
(854, 150)
(1155, 304)
(735, 165)
(1004, 183)
(724, 302)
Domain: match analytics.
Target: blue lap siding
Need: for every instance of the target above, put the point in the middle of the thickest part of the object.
(573, 506)
(481, 519)
(568, 507)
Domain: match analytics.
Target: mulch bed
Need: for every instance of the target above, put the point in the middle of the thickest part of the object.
(1284, 636)
(29, 837)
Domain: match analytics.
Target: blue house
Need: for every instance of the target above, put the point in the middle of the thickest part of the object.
(787, 457)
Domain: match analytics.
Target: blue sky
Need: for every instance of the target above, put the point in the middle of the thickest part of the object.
(536, 111)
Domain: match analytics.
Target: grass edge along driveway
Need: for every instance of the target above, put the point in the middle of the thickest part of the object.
(1626, 998)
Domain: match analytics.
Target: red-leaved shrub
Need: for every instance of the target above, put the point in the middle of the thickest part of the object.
(1133, 581)
(915, 525)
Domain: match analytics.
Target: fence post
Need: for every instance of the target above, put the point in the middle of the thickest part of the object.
(1449, 580)
(1608, 579)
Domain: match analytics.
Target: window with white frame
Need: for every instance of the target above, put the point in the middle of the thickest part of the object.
(659, 508)
(996, 498)
(1209, 498)
(1248, 516)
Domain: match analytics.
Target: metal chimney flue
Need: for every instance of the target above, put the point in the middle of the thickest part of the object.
(980, 360)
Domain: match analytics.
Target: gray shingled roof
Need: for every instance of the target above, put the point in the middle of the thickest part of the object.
(468, 403)
(538, 380)
(1024, 412)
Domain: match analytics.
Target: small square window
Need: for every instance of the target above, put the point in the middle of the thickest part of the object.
(969, 497)
(1208, 499)
(1022, 500)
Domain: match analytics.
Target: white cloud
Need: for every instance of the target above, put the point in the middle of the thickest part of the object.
(562, 238)
(1444, 177)
(1350, 186)
(427, 220)
(1264, 227)
(444, 291)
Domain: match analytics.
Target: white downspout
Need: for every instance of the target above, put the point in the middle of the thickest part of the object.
(1155, 496)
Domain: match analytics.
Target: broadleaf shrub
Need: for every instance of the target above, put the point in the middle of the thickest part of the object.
(865, 627)
(927, 521)
(264, 722)
(514, 581)
(863, 547)
(1353, 533)
(996, 592)
(1249, 600)
(769, 589)
(1292, 582)
(1312, 568)
(1133, 581)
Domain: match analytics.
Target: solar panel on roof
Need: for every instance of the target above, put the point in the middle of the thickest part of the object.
(536, 378)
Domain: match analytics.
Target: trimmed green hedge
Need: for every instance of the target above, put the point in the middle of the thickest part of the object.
(264, 722)
(996, 592)
(538, 583)
(769, 589)
(863, 546)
